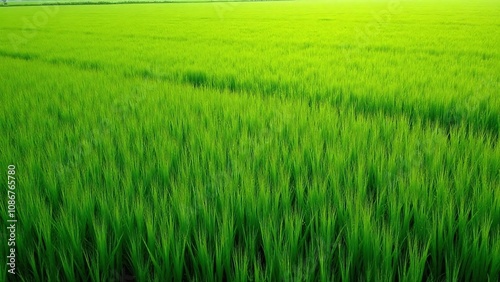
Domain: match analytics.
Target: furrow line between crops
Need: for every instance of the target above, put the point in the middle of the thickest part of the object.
(446, 117)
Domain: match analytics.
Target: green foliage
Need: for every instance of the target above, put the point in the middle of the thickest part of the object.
(165, 142)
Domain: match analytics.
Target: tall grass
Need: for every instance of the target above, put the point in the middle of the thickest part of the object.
(159, 153)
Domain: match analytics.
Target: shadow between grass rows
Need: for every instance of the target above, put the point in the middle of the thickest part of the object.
(480, 122)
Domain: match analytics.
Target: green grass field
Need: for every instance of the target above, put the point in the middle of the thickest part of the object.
(267, 141)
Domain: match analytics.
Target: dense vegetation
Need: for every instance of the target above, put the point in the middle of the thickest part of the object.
(253, 141)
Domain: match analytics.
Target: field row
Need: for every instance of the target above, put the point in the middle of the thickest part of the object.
(479, 112)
